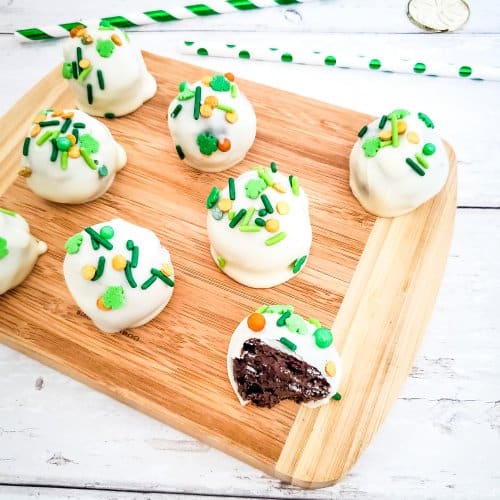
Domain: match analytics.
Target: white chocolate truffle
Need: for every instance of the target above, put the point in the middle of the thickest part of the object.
(70, 157)
(19, 250)
(392, 173)
(266, 376)
(119, 274)
(212, 123)
(260, 233)
(106, 71)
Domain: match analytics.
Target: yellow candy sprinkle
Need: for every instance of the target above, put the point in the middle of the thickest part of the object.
(401, 127)
(116, 39)
(74, 152)
(206, 111)
(68, 114)
(211, 101)
(385, 135)
(232, 117)
(225, 205)
(413, 137)
(279, 187)
(88, 272)
(167, 269)
(282, 207)
(206, 80)
(272, 225)
(84, 63)
(25, 172)
(119, 262)
(72, 139)
(35, 130)
(57, 112)
(330, 369)
(39, 118)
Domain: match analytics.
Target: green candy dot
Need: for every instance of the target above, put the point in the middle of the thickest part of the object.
(286, 57)
(107, 232)
(429, 149)
(105, 47)
(419, 67)
(337, 396)
(323, 338)
(114, 297)
(244, 54)
(375, 64)
(103, 171)
(263, 212)
(465, 71)
(202, 52)
(88, 143)
(4, 251)
(254, 187)
(73, 244)
(330, 61)
(63, 143)
(207, 143)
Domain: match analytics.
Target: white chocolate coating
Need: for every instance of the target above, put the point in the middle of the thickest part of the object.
(79, 183)
(248, 260)
(185, 129)
(127, 82)
(140, 305)
(385, 184)
(19, 250)
(307, 351)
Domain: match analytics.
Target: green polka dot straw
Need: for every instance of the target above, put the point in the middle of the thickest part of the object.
(343, 60)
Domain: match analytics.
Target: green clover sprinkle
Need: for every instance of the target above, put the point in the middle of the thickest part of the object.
(207, 143)
(399, 114)
(254, 187)
(220, 83)
(323, 338)
(4, 251)
(185, 94)
(90, 144)
(296, 324)
(114, 297)
(371, 146)
(73, 244)
(105, 47)
(279, 309)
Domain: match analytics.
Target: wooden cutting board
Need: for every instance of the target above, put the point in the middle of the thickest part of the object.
(375, 278)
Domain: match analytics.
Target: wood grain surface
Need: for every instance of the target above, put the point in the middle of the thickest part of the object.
(174, 368)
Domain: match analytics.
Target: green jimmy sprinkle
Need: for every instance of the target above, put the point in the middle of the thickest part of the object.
(232, 189)
(382, 122)
(363, 131)
(176, 111)
(213, 197)
(26, 146)
(246, 218)
(237, 218)
(197, 103)
(265, 176)
(415, 167)
(267, 204)
(273, 166)
(275, 239)
(101, 263)
(162, 277)
(288, 343)
(282, 319)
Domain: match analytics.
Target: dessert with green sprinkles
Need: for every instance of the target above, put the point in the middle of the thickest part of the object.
(119, 274)
(105, 71)
(212, 123)
(19, 250)
(259, 228)
(397, 163)
(276, 354)
(69, 157)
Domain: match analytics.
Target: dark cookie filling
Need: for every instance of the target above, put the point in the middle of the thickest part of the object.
(266, 376)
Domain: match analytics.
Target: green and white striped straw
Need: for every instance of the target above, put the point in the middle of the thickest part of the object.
(342, 59)
(174, 13)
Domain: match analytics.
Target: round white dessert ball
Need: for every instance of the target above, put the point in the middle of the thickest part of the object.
(119, 274)
(259, 228)
(392, 172)
(70, 157)
(106, 71)
(19, 250)
(212, 123)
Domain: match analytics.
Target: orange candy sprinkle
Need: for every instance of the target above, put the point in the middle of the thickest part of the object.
(101, 306)
(232, 117)
(35, 130)
(224, 145)
(206, 111)
(229, 76)
(272, 225)
(211, 101)
(116, 39)
(77, 31)
(256, 322)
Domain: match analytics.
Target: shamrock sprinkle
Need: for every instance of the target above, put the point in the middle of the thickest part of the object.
(185, 95)
(207, 143)
(296, 324)
(399, 113)
(4, 251)
(114, 297)
(279, 309)
(220, 83)
(371, 146)
(90, 144)
(254, 187)
(73, 244)
(105, 47)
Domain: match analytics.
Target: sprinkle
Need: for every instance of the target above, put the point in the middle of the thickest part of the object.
(101, 263)
(315, 322)
(185, 95)
(128, 275)
(64, 160)
(229, 76)
(65, 126)
(262, 212)
(165, 279)
(205, 111)
(134, 261)
(384, 144)
(206, 80)
(363, 131)
(74, 152)
(180, 152)
(109, 115)
(429, 149)
(88, 272)
(63, 143)
(382, 122)
(297, 265)
(130, 245)
(90, 96)
(401, 127)
(79, 125)
(182, 86)
(35, 130)
(330, 369)
(73, 243)
(274, 168)
(119, 262)
(261, 309)
(427, 121)
(223, 107)
(385, 135)
(232, 117)
(272, 225)
(232, 190)
(213, 197)
(39, 118)
(294, 182)
(101, 306)
(176, 111)
(148, 282)
(107, 232)
(260, 222)
(225, 204)
(415, 167)
(413, 137)
(88, 160)
(103, 171)
(288, 343)
(265, 176)
(221, 262)
(100, 79)
(167, 269)
(88, 143)
(256, 322)
(323, 337)
(284, 316)
(296, 324)
(211, 101)
(234, 91)
(24, 172)
(394, 131)
(55, 151)
(421, 160)
(267, 204)
(253, 188)
(26, 146)
(207, 143)
(282, 207)
(337, 396)
(105, 47)
(48, 123)
(84, 74)
(114, 297)
(275, 239)
(98, 238)
(74, 69)
(217, 213)
(237, 218)
(279, 187)
(197, 98)
(67, 70)
(248, 216)
(116, 39)
(224, 145)
(250, 229)
(399, 113)
(231, 215)
(219, 83)
(78, 55)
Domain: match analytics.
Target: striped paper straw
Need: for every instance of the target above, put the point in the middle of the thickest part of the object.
(174, 13)
(342, 60)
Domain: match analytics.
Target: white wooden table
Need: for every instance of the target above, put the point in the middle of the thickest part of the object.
(60, 439)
